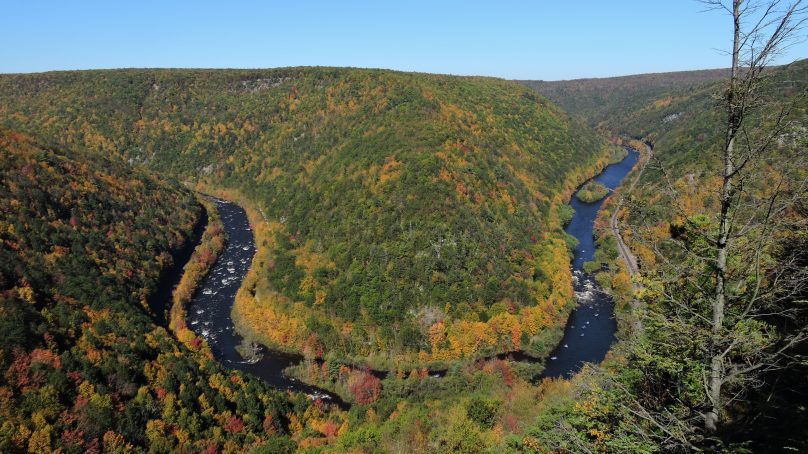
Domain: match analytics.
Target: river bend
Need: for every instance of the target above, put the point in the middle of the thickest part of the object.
(588, 335)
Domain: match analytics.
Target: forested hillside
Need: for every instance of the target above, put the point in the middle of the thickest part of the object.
(83, 242)
(655, 393)
(673, 207)
(408, 215)
(682, 184)
(687, 131)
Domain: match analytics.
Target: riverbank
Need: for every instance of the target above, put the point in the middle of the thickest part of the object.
(207, 251)
(275, 320)
(591, 328)
(208, 314)
(616, 265)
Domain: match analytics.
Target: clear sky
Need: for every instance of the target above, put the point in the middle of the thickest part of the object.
(538, 39)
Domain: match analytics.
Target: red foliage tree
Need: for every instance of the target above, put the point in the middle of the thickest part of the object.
(73, 438)
(18, 371)
(505, 370)
(364, 387)
(330, 429)
(269, 425)
(234, 425)
(510, 423)
(196, 343)
(41, 356)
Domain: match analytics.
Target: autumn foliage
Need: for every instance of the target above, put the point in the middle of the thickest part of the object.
(204, 256)
(83, 367)
(388, 201)
(364, 387)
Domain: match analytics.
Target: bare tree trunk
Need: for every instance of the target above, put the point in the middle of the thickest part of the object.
(742, 319)
(734, 115)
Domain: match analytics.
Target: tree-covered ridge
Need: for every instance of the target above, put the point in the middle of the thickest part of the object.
(395, 201)
(61, 208)
(83, 242)
(687, 133)
(607, 101)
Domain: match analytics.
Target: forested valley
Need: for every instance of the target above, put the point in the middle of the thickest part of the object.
(398, 205)
(411, 246)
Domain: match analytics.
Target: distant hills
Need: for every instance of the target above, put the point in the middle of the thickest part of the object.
(678, 112)
(603, 101)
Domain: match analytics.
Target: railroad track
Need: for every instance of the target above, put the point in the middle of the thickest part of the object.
(623, 249)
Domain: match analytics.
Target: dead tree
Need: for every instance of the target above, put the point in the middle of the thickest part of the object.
(727, 290)
(754, 46)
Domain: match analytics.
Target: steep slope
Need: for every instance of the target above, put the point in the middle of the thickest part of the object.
(670, 223)
(683, 182)
(398, 205)
(688, 133)
(675, 201)
(83, 242)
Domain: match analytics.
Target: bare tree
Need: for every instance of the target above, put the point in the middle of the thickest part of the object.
(755, 44)
(726, 296)
(730, 291)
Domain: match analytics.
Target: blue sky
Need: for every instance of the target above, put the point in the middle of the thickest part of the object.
(537, 39)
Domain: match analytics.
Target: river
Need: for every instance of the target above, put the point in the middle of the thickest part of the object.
(209, 310)
(591, 328)
(589, 333)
